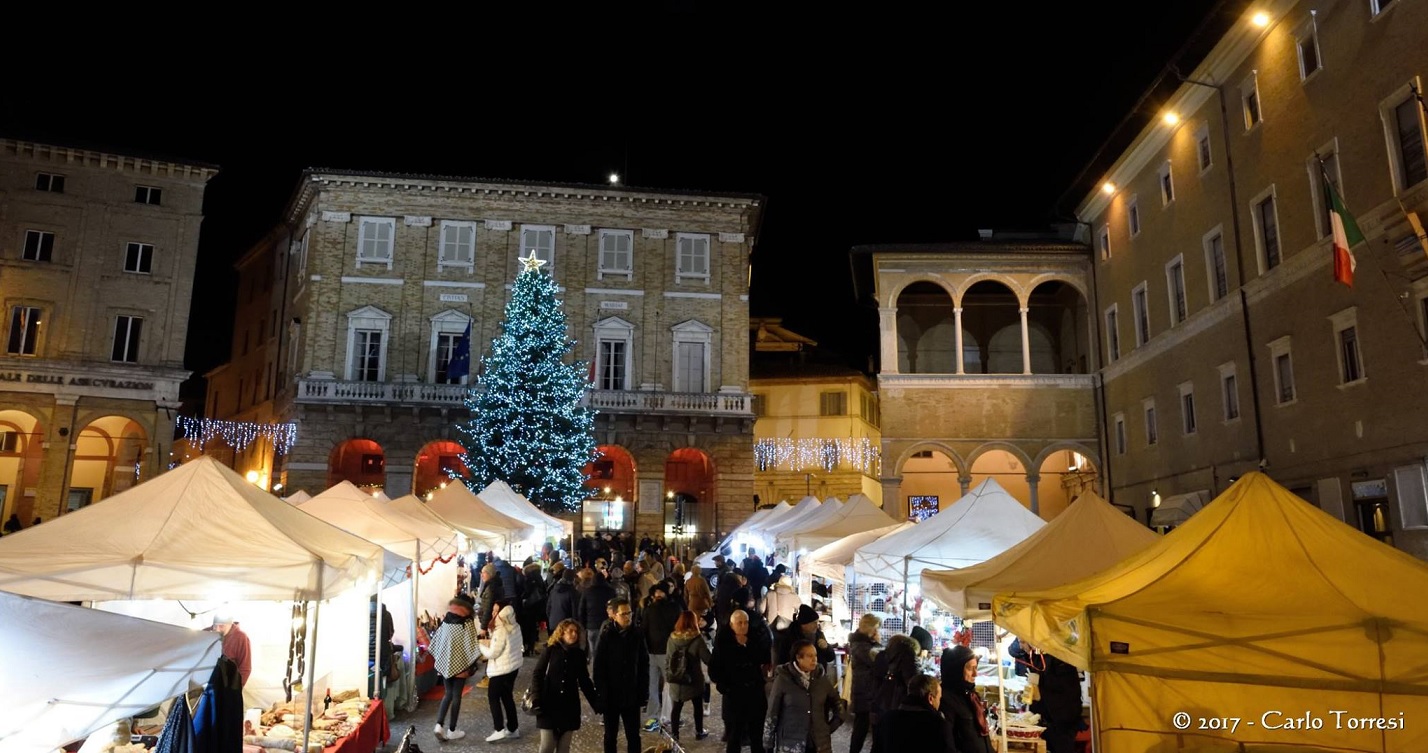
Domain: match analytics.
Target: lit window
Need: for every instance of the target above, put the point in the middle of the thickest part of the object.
(24, 331)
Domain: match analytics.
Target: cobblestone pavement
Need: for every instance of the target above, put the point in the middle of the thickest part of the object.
(476, 722)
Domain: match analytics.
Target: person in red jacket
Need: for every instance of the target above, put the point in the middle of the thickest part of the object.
(235, 644)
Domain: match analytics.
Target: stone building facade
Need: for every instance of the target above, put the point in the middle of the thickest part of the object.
(382, 273)
(97, 257)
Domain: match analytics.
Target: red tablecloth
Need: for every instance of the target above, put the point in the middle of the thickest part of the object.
(365, 738)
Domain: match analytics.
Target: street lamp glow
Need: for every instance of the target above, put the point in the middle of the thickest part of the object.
(1170, 118)
(1260, 19)
(614, 178)
(252, 477)
(1108, 188)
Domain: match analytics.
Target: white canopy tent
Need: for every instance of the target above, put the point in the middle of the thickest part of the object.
(799, 508)
(741, 535)
(815, 517)
(298, 497)
(504, 499)
(457, 505)
(857, 515)
(1089, 536)
(54, 692)
(1176, 509)
(835, 560)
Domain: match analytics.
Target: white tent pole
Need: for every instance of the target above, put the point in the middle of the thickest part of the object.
(412, 646)
(312, 654)
(374, 640)
(1001, 687)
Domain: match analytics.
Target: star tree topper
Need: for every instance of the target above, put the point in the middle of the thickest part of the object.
(532, 263)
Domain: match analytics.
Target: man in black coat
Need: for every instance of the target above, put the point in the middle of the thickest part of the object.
(916, 724)
(758, 577)
(804, 628)
(738, 668)
(1059, 686)
(591, 612)
(563, 600)
(725, 601)
(656, 623)
(622, 665)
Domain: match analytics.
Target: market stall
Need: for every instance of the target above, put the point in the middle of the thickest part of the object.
(1259, 608)
(459, 506)
(298, 497)
(507, 501)
(739, 540)
(763, 532)
(857, 515)
(849, 596)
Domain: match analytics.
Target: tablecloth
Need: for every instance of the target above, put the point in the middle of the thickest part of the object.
(372, 732)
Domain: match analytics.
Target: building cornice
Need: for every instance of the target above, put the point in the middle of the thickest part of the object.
(105, 159)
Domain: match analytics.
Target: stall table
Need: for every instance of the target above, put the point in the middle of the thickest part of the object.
(372, 732)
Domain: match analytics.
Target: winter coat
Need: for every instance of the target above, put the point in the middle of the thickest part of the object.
(559, 678)
(622, 669)
(505, 649)
(780, 605)
(591, 612)
(915, 725)
(533, 600)
(697, 594)
(509, 582)
(784, 640)
(218, 720)
(1060, 691)
(796, 714)
(562, 603)
(961, 713)
(657, 624)
(893, 669)
(738, 668)
(491, 592)
(862, 650)
(697, 651)
(454, 647)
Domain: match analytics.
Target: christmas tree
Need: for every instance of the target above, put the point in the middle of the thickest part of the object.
(527, 427)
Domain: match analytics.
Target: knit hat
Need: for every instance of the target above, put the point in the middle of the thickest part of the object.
(923, 638)
(805, 615)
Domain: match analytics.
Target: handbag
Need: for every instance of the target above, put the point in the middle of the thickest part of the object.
(528, 703)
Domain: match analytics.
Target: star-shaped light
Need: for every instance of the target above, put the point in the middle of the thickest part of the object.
(532, 263)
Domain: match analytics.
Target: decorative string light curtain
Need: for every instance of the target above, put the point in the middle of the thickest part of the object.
(858, 453)
(238, 434)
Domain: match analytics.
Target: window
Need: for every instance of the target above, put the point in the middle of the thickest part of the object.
(1403, 120)
(833, 404)
(1103, 242)
(1329, 157)
(1152, 429)
(138, 257)
(1308, 43)
(617, 253)
(614, 343)
(1202, 148)
(1379, 6)
(367, 329)
(1187, 408)
(375, 240)
(1266, 230)
(126, 339)
(39, 245)
(1346, 339)
(49, 182)
(1282, 356)
(539, 240)
(1120, 422)
(447, 329)
(1142, 315)
(1133, 216)
(867, 408)
(1249, 101)
(24, 331)
(1215, 265)
(302, 258)
(9, 444)
(693, 257)
(458, 245)
(1167, 185)
(757, 405)
(1175, 283)
(445, 347)
(147, 195)
(692, 340)
(374, 463)
(1113, 335)
(1229, 392)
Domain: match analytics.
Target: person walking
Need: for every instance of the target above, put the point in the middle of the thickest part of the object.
(962, 706)
(699, 598)
(560, 676)
(622, 665)
(805, 627)
(594, 598)
(804, 708)
(685, 652)
(563, 600)
(532, 604)
(737, 669)
(893, 669)
(916, 724)
(503, 650)
(863, 649)
(656, 624)
(454, 650)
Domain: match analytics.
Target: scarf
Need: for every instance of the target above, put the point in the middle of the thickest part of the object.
(453, 618)
(804, 678)
(979, 708)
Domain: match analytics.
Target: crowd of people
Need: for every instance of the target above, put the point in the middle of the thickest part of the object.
(643, 635)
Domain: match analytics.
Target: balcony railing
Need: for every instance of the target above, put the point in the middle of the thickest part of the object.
(605, 401)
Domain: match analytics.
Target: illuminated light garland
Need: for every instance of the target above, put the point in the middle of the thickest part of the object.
(238, 434)
(859, 453)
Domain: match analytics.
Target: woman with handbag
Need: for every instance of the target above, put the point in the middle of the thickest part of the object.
(684, 673)
(560, 676)
(504, 651)
(454, 650)
(804, 707)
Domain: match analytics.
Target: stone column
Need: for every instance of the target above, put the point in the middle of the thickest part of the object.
(957, 322)
(893, 503)
(965, 483)
(1025, 344)
(887, 338)
(61, 434)
(1032, 480)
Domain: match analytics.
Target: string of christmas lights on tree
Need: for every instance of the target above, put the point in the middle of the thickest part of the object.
(858, 453)
(238, 434)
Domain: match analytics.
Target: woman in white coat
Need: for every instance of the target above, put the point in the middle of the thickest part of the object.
(503, 650)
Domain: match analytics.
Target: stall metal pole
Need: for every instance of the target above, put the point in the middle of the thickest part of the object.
(412, 646)
(374, 639)
(312, 653)
(1001, 688)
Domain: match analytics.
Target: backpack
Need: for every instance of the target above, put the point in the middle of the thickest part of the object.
(678, 671)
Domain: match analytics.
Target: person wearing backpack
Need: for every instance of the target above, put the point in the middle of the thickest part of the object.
(893, 669)
(684, 674)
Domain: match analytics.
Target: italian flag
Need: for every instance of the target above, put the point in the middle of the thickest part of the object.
(1345, 231)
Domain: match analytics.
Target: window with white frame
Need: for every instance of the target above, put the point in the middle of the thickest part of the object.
(1203, 153)
(832, 403)
(1281, 358)
(1216, 270)
(1249, 101)
(24, 337)
(692, 341)
(1166, 180)
(302, 257)
(376, 239)
(138, 257)
(447, 329)
(1379, 6)
(1403, 126)
(1265, 216)
(49, 182)
(617, 257)
(367, 330)
(294, 346)
(1329, 156)
(539, 240)
(1175, 288)
(1187, 408)
(1141, 309)
(1411, 489)
(1152, 425)
(692, 252)
(1133, 216)
(39, 246)
(1103, 242)
(1113, 334)
(1345, 325)
(614, 345)
(1307, 41)
(1229, 392)
(458, 245)
(148, 195)
(126, 339)
(1120, 423)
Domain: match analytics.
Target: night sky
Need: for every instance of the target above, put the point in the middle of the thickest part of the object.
(856, 129)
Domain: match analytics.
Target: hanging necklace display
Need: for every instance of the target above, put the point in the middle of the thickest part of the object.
(297, 649)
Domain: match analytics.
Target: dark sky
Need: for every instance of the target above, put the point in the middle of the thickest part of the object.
(858, 129)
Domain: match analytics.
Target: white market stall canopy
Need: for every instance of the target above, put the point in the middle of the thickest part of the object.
(69, 671)
(1175, 510)
(817, 517)
(833, 560)
(505, 499)
(356, 512)
(792, 515)
(744, 529)
(198, 531)
(423, 518)
(298, 497)
(975, 528)
(456, 504)
(1088, 537)
(856, 515)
